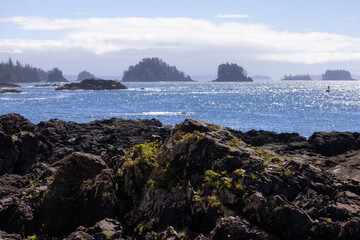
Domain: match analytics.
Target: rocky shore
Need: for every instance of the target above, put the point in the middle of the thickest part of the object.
(127, 179)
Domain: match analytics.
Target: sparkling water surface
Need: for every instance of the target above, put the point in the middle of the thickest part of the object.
(280, 106)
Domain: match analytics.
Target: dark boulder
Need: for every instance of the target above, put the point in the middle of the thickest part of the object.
(93, 84)
(8, 153)
(238, 228)
(108, 137)
(16, 214)
(81, 194)
(105, 229)
(7, 236)
(28, 147)
(14, 123)
(19, 147)
(260, 138)
(334, 143)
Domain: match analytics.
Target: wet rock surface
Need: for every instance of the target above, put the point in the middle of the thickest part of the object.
(126, 179)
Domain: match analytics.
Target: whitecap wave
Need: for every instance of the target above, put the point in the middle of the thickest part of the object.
(166, 113)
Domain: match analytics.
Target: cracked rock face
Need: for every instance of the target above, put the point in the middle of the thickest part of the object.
(121, 179)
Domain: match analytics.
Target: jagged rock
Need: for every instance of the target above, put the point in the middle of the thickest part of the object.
(28, 147)
(8, 153)
(346, 167)
(103, 137)
(259, 138)
(4, 235)
(71, 181)
(104, 229)
(15, 214)
(238, 228)
(79, 235)
(19, 147)
(93, 84)
(83, 190)
(14, 123)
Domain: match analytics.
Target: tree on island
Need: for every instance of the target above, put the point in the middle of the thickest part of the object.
(232, 73)
(297, 77)
(85, 75)
(56, 75)
(337, 75)
(10, 72)
(154, 70)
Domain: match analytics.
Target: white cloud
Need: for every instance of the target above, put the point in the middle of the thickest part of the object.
(258, 41)
(232, 16)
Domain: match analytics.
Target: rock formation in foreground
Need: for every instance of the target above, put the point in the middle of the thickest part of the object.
(93, 84)
(232, 73)
(126, 179)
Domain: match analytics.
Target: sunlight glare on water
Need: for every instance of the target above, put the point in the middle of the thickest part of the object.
(280, 106)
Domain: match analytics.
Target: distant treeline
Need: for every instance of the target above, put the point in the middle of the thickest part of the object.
(297, 77)
(337, 75)
(153, 69)
(10, 72)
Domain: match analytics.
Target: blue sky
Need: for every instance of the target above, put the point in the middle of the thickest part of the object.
(268, 37)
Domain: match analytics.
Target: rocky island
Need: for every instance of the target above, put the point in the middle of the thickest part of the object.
(10, 91)
(85, 75)
(16, 72)
(337, 75)
(127, 179)
(93, 84)
(8, 85)
(232, 73)
(154, 70)
(297, 77)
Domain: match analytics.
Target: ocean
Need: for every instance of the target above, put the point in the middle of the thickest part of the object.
(281, 106)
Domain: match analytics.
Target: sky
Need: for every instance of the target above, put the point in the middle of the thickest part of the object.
(105, 37)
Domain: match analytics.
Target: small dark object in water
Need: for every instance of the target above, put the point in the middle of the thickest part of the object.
(328, 89)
